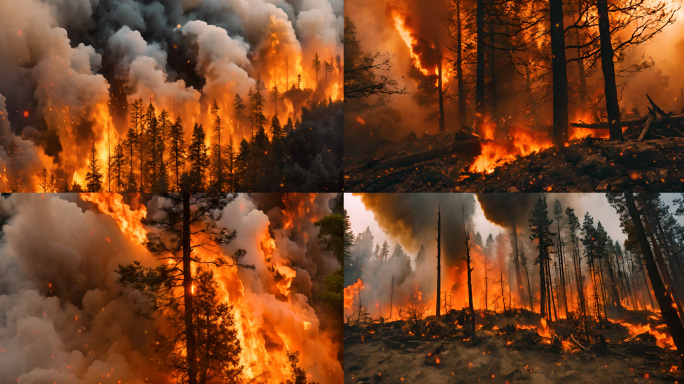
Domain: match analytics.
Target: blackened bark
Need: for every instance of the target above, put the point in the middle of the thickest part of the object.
(459, 70)
(191, 356)
(560, 75)
(480, 67)
(608, 67)
(662, 294)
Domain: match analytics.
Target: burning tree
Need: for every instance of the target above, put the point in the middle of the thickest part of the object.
(184, 223)
(540, 226)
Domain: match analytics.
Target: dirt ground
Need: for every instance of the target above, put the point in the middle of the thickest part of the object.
(587, 165)
(501, 354)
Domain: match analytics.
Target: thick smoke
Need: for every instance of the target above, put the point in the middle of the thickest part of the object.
(68, 320)
(69, 68)
(411, 219)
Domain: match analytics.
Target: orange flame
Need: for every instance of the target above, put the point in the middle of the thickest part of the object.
(350, 292)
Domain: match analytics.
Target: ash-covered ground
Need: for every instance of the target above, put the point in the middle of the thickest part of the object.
(510, 348)
(440, 163)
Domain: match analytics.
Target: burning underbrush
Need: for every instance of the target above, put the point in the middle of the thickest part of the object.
(514, 346)
(520, 163)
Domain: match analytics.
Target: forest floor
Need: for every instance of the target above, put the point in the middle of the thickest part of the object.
(509, 349)
(586, 165)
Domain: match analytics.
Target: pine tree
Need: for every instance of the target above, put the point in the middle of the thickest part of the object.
(133, 137)
(218, 161)
(118, 165)
(94, 176)
(239, 113)
(177, 151)
(198, 158)
(242, 164)
(316, 65)
(230, 166)
(173, 242)
(540, 228)
(13, 154)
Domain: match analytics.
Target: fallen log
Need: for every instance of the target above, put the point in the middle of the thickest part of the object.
(457, 146)
(647, 126)
(631, 123)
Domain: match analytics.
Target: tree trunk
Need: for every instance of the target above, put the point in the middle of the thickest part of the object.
(191, 347)
(439, 258)
(470, 284)
(442, 124)
(459, 70)
(480, 67)
(516, 261)
(580, 67)
(560, 75)
(542, 283)
(608, 67)
(662, 294)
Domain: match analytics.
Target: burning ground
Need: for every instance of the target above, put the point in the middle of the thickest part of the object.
(67, 318)
(586, 164)
(595, 300)
(79, 77)
(511, 348)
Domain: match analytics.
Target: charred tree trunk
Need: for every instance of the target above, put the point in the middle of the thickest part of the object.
(470, 283)
(582, 92)
(552, 300)
(664, 273)
(480, 67)
(617, 303)
(191, 356)
(459, 70)
(603, 289)
(391, 297)
(561, 265)
(516, 261)
(493, 107)
(560, 75)
(662, 294)
(439, 258)
(485, 278)
(442, 124)
(608, 67)
(542, 283)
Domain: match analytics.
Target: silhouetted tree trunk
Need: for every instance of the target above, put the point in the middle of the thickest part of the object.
(559, 70)
(610, 86)
(459, 70)
(187, 294)
(470, 283)
(662, 294)
(442, 124)
(439, 248)
(480, 66)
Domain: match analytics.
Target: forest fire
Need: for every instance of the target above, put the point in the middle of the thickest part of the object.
(407, 35)
(96, 93)
(496, 152)
(592, 295)
(351, 292)
(273, 311)
(430, 82)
